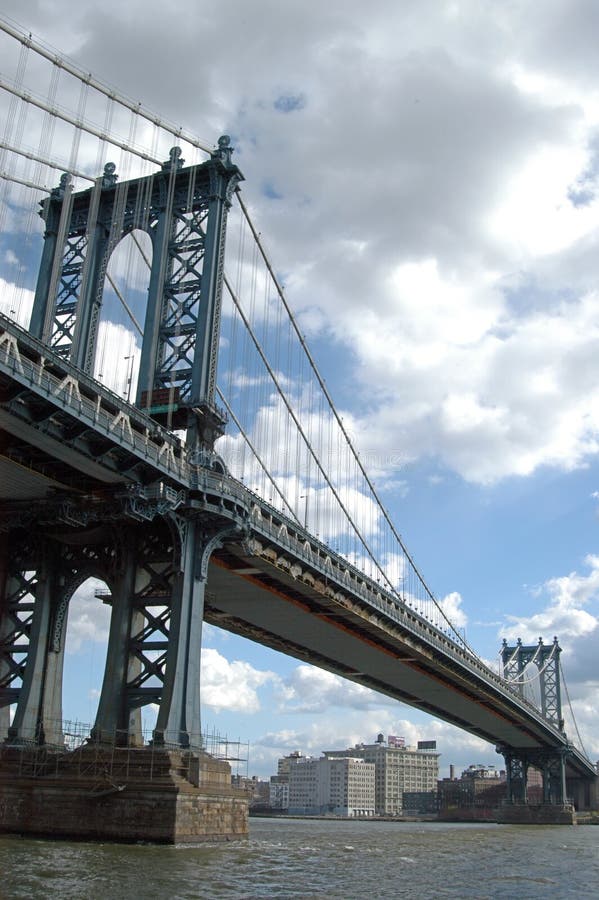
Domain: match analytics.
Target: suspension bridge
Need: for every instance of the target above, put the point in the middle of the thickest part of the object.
(166, 430)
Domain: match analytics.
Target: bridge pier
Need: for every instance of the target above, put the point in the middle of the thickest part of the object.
(113, 716)
(121, 794)
(558, 806)
(552, 766)
(516, 768)
(157, 570)
(536, 814)
(178, 721)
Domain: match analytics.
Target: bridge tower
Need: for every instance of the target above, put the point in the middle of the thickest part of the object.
(151, 545)
(516, 663)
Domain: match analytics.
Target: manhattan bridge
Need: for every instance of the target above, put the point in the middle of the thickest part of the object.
(165, 429)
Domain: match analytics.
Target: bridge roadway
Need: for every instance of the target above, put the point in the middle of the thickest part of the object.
(64, 437)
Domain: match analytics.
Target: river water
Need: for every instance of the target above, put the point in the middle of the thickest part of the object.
(327, 859)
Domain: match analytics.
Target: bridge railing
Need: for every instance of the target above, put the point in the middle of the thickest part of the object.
(287, 534)
(31, 362)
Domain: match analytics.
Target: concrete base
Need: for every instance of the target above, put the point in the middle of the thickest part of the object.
(120, 794)
(542, 814)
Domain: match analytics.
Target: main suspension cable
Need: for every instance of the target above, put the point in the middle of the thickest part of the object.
(136, 107)
(563, 678)
(340, 423)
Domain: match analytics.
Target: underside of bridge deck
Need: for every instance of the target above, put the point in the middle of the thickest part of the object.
(255, 599)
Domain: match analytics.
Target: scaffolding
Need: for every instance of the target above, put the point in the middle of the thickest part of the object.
(80, 757)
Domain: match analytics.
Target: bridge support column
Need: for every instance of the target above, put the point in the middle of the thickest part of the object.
(4, 630)
(553, 769)
(38, 713)
(115, 721)
(516, 773)
(54, 212)
(579, 792)
(554, 810)
(178, 722)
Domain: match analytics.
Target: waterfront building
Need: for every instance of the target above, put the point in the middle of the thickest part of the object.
(279, 792)
(285, 762)
(341, 787)
(279, 783)
(256, 789)
(478, 785)
(398, 770)
(479, 771)
(420, 803)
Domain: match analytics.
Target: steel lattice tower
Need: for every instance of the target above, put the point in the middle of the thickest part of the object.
(146, 543)
(515, 660)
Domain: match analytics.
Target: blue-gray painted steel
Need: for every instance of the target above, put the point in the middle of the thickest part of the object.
(151, 518)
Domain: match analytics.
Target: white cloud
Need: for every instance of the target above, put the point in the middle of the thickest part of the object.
(231, 685)
(88, 618)
(363, 726)
(11, 258)
(117, 358)
(15, 302)
(452, 607)
(572, 614)
(563, 615)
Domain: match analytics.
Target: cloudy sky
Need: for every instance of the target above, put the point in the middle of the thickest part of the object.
(424, 175)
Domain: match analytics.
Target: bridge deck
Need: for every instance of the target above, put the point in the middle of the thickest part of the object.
(62, 433)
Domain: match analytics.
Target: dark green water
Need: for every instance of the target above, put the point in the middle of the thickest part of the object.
(305, 859)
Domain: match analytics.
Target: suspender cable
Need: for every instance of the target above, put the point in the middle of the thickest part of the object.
(257, 455)
(52, 56)
(361, 468)
(58, 113)
(51, 164)
(312, 453)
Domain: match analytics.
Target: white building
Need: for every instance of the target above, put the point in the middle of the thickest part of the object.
(340, 786)
(398, 768)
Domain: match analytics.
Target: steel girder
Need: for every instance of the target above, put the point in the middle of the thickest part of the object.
(154, 559)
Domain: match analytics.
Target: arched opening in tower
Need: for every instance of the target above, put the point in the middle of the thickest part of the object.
(84, 660)
(124, 302)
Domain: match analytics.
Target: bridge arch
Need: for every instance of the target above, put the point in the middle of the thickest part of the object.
(183, 211)
(122, 312)
(83, 622)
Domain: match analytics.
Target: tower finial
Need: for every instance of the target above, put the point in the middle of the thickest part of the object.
(174, 161)
(224, 149)
(65, 180)
(109, 178)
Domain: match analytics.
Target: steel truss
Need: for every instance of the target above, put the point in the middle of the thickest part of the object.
(154, 559)
(184, 212)
(146, 541)
(517, 658)
(551, 764)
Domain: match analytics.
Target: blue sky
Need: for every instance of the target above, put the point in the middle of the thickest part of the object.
(424, 175)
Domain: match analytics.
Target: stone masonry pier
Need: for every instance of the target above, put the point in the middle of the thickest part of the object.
(120, 794)
(536, 814)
